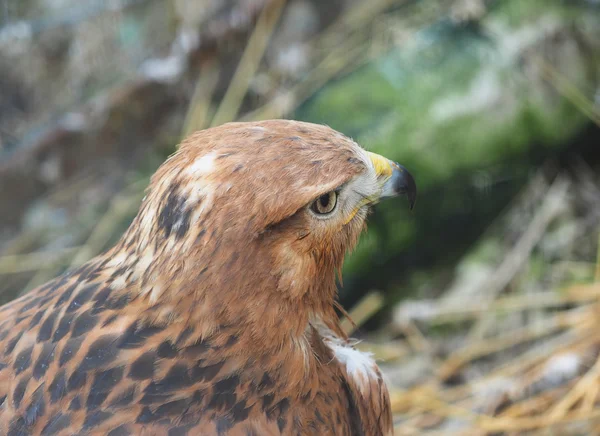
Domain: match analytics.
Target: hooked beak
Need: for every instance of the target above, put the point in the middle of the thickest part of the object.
(396, 180)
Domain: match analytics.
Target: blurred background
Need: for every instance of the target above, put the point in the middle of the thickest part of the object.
(482, 304)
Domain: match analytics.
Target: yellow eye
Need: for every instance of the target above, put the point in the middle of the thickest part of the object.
(325, 204)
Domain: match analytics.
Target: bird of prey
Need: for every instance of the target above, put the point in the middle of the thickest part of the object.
(215, 313)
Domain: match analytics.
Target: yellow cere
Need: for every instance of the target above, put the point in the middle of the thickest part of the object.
(383, 168)
(381, 164)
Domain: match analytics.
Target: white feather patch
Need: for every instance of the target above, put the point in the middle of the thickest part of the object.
(117, 260)
(119, 283)
(202, 165)
(143, 264)
(360, 365)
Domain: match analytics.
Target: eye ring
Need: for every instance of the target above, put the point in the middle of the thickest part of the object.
(325, 204)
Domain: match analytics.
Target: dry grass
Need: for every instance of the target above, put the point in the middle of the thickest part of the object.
(508, 360)
(553, 382)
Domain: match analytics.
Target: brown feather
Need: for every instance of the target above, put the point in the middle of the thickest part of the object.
(211, 314)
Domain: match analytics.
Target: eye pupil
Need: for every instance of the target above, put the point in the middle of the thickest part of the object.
(324, 199)
(325, 203)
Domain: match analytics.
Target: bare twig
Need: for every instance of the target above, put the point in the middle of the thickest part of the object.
(343, 47)
(361, 312)
(553, 204)
(249, 63)
(199, 109)
(122, 205)
(566, 88)
(465, 310)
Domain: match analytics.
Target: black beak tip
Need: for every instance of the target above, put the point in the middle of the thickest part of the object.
(405, 184)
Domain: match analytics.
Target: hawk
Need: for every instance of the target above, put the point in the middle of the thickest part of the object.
(215, 313)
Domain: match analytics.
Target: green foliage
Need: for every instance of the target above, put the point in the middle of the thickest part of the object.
(451, 103)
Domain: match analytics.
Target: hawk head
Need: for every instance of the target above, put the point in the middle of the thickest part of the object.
(247, 223)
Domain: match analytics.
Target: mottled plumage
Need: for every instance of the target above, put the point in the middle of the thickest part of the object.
(214, 314)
